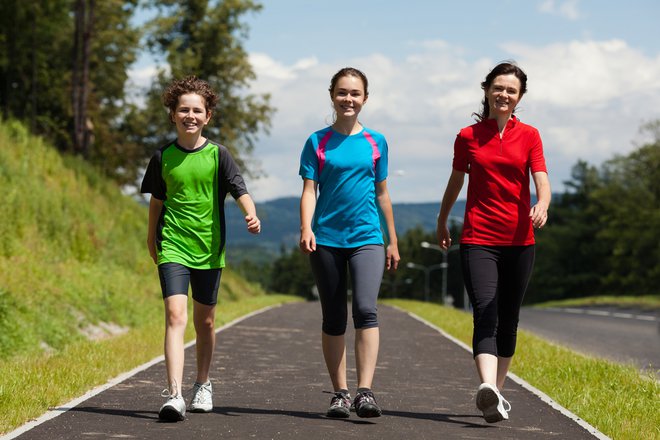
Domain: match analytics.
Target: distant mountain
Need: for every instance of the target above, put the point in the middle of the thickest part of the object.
(281, 225)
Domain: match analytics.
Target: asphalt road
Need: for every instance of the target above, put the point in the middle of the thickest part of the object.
(269, 374)
(624, 336)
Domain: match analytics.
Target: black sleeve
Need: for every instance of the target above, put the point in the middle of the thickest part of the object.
(230, 177)
(153, 182)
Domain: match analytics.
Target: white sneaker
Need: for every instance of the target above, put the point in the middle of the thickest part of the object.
(491, 403)
(174, 410)
(202, 399)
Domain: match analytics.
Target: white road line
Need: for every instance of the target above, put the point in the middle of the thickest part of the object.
(600, 313)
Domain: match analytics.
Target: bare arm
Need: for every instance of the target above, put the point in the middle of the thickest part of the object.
(246, 204)
(385, 203)
(307, 205)
(452, 191)
(539, 212)
(155, 208)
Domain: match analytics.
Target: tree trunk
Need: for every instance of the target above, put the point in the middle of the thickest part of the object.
(84, 19)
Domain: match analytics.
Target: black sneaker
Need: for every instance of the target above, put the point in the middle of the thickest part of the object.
(366, 406)
(339, 406)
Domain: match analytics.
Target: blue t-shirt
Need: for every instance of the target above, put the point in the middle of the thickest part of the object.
(346, 169)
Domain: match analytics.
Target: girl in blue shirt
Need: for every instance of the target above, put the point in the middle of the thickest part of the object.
(346, 164)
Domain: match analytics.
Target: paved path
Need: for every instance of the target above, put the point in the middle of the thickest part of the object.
(269, 376)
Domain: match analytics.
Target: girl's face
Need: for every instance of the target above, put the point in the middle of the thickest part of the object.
(190, 115)
(348, 96)
(503, 95)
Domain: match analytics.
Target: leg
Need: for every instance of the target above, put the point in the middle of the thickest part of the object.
(366, 264)
(205, 285)
(334, 353)
(176, 319)
(516, 269)
(204, 319)
(367, 342)
(329, 268)
(480, 273)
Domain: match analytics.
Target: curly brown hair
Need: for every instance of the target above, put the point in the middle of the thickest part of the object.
(189, 84)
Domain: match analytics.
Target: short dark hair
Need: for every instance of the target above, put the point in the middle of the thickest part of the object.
(189, 84)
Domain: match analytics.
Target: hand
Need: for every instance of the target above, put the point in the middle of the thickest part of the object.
(307, 241)
(253, 224)
(392, 257)
(444, 239)
(539, 215)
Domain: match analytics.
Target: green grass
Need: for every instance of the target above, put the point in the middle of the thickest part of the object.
(616, 399)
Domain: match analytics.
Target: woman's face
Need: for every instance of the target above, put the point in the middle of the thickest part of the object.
(348, 96)
(503, 95)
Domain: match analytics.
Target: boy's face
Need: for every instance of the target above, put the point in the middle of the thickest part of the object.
(190, 115)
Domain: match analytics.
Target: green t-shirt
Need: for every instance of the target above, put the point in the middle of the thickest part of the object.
(193, 185)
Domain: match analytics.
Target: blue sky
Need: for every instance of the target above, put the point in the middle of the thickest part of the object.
(593, 68)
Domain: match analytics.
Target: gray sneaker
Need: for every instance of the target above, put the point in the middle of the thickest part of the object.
(174, 410)
(202, 399)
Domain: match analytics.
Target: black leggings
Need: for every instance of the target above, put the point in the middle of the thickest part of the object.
(330, 266)
(496, 279)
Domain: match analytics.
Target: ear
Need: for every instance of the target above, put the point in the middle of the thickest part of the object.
(209, 113)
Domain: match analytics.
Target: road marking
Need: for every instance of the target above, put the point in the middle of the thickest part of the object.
(600, 313)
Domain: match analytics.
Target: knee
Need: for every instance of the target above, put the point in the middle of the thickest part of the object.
(176, 318)
(334, 327)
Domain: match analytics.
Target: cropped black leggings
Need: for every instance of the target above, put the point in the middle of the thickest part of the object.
(330, 266)
(496, 279)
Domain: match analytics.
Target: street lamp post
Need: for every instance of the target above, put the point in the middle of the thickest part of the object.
(444, 265)
(427, 276)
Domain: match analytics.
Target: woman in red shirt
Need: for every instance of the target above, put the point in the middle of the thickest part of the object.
(499, 153)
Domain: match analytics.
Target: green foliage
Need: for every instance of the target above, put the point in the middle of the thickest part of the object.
(602, 237)
(36, 47)
(204, 38)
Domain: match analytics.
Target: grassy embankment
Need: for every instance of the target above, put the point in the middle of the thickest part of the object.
(616, 399)
(79, 296)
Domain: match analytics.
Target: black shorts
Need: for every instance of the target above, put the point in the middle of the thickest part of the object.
(175, 279)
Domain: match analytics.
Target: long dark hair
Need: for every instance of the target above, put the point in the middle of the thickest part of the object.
(504, 68)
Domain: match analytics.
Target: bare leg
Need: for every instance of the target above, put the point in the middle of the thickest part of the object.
(503, 364)
(176, 319)
(334, 353)
(487, 368)
(204, 319)
(366, 355)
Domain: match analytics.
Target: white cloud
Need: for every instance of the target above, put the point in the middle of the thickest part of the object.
(588, 99)
(567, 9)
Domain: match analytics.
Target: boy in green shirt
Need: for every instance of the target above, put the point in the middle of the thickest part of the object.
(188, 180)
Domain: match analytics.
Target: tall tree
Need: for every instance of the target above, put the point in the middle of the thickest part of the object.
(204, 38)
(82, 39)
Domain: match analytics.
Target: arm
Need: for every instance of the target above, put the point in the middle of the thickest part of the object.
(155, 208)
(454, 187)
(250, 212)
(392, 252)
(539, 212)
(307, 205)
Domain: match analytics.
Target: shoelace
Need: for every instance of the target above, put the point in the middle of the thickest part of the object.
(340, 398)
(167, 393)
(200, 397)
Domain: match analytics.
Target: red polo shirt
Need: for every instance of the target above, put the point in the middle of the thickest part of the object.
(498, 201)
